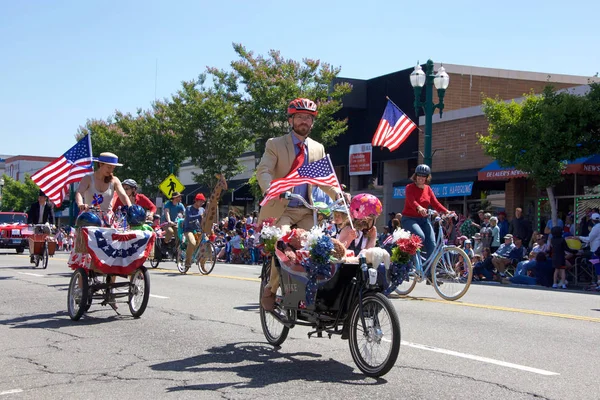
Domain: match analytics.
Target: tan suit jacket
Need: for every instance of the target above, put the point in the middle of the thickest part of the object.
(276, 163)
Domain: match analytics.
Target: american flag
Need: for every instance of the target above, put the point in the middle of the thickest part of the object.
(54, 178)
(393, 128)
(317, 173)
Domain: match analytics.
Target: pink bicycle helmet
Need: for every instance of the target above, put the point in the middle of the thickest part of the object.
(365, 205)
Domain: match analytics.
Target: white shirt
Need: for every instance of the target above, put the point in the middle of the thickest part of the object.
(594, 238)
(41, 217)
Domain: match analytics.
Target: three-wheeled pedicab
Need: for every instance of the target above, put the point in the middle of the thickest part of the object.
(99, 258)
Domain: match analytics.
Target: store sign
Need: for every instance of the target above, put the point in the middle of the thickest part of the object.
(441, 190)
(360, 159)
(501, 174)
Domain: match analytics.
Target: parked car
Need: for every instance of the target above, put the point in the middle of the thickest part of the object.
(14, 232)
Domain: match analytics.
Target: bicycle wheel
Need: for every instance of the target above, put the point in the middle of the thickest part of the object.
(275, 332)
(139, 291)
(77, 297)
(154, 262)
(375, 349)
(45, 256)
(453, 273)
(180, 260)
(207, 257)
(406, 287)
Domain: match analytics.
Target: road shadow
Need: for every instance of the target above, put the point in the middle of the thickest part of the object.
(268, 365)
(250, 307)
(61, 319)
(63, 274)
(29, 267)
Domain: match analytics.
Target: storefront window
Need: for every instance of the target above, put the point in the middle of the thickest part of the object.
(588, 185)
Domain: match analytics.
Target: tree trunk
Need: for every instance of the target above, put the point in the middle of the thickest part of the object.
(553, 209)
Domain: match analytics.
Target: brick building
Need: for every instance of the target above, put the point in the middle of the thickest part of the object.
(459, 157)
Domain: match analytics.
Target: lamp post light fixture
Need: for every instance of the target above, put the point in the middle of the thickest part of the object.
(418, 79)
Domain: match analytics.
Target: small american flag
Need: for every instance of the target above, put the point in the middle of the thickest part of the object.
(317, 173)
(54, 178)
(393, 128)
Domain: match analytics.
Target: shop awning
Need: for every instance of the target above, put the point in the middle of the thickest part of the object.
(584, 165)
(441, 190)
(494, 172)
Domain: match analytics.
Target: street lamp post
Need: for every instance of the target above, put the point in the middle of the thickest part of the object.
(418, 79)
(1, 188)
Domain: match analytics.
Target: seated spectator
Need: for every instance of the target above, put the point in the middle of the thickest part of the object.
(468, 249)
(542, 272)
(516, 254)
(237, 245)
(485, 267)
(540, 245)
(500, 257)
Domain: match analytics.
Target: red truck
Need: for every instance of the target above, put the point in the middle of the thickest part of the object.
(14, 232)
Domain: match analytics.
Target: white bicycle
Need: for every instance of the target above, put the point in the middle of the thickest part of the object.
(452, 270)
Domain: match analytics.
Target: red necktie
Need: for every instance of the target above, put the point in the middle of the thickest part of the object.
(299, 160)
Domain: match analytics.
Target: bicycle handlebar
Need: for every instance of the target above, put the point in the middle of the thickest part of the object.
(294, 196)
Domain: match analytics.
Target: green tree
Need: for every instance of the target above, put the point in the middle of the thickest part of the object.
(18, 196)
(540, 134)
(206, 117)
(264, 86)
(147, 148)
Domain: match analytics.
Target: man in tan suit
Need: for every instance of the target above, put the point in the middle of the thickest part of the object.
(276, 163)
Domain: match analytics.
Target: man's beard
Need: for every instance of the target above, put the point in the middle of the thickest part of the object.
(108, 179)
(302, 129)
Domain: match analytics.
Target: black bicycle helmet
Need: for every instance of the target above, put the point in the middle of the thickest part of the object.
(423, 169)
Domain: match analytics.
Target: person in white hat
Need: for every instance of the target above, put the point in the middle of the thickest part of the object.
(97, 188)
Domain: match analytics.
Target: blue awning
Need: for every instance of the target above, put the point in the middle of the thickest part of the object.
(441, 190)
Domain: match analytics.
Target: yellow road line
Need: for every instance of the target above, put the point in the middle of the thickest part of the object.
(455, 303)
(508, 309)
(239, 278)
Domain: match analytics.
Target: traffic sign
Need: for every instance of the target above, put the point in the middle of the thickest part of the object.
(171, 184)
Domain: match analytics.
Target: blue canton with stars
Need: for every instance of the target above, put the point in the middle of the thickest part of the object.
(119, 253)
(80, 151)
(317, 169)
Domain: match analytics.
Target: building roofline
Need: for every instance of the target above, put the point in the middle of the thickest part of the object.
(515, 74)
(29, 158)
(476, 111)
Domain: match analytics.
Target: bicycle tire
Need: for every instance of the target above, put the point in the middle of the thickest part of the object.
(140, 285)
(45, 256)
(406, 287)
(180, 261)
(445, 276)
(372, 304)
(207, 262)
(267, 321)
(154, 262)
(77, 297)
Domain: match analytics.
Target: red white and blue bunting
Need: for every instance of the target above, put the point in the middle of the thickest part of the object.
(117, 252)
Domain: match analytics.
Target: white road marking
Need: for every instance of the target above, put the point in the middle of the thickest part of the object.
(11, 391)
(158, 297)
(478, 358)
(29, 273)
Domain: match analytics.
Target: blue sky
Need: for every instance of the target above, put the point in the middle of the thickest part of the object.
(63, 62)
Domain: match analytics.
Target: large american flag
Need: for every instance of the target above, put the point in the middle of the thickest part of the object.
(54, 178)
(317, 173)
(393, 128)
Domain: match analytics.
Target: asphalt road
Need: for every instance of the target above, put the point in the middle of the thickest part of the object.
(201, 338)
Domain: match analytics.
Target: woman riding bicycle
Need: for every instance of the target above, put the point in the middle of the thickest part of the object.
(419, 197)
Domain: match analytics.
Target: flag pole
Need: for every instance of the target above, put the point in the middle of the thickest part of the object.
(342, 192)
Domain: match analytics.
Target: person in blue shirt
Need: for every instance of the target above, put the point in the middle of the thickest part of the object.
(191, 225)
(171, 210)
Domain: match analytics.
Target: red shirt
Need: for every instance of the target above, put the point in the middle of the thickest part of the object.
(140, 200)
(420, 197)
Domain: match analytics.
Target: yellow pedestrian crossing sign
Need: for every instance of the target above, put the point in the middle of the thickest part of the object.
(171, 184)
